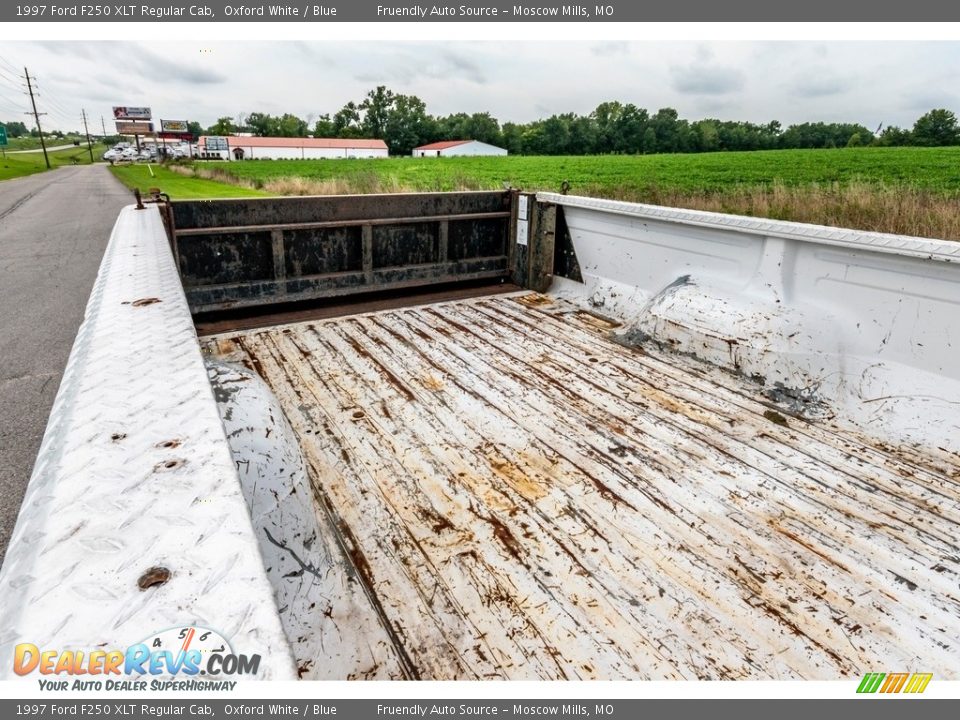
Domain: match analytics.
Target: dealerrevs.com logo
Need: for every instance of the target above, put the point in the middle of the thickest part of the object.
(181, 658)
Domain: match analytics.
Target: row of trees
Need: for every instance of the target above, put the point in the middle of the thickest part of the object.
(613, 127)
(400, 120)
(15, 128)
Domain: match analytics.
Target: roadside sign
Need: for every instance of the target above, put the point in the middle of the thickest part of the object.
(132, 113)
(216, 143)
(3, 135)
(175, 135)
(174, 126)
(133, 128)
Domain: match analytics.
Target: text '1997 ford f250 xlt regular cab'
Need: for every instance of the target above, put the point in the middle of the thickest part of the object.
(504, 435)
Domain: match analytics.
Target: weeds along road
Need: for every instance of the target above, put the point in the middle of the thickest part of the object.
(54, 227)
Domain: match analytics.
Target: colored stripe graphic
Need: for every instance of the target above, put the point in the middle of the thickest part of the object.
(918, 683)
(891, 683)
(894, 682)
(870, 682)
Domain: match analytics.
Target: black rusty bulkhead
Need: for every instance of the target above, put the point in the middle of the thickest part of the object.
(253, 252)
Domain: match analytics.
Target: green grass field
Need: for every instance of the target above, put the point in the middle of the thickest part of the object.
(912, 191)
(177, 186)
(29, 163)
(933, 169)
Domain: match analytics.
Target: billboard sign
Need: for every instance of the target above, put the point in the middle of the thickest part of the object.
(174, 126)
(3, 135)
(216, 143)
(134, 128)
(175, 135)
(132, 113)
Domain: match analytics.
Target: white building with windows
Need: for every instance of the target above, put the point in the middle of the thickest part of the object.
(281, 148)
(454, 148)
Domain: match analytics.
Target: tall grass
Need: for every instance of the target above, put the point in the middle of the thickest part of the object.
(863, 206)
(920, 195)
(358, 183)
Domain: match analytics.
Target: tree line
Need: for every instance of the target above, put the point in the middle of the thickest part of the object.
(403, 122)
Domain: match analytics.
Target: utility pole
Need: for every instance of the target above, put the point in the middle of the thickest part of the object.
(103, 125)
(36, 116)
(83, 112)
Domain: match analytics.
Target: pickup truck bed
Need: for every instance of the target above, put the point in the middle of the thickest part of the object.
(518, 495)
(694, 446)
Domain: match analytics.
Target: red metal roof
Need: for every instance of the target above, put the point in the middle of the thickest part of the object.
(443, 145)
(233, 141)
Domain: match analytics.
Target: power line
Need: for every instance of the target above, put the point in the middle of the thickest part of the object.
(64, 117)
(36, 116)
(14, 90)
(58, 109)
(59, 115)
(13, 112)
(13, 81)
(8, 86)
(15, 73)
(85, 130)
(14, 103)
(51, 109)
(16, 106)
(58, 119)
(51, 100)
(9, 64)
(47, 99)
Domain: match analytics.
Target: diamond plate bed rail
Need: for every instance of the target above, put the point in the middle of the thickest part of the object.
(135, 474)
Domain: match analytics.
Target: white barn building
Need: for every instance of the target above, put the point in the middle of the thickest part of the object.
(281, 148)
(453, 148)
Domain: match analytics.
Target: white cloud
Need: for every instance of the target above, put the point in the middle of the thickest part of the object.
(515, 81)
(703, 79)
(820, 82)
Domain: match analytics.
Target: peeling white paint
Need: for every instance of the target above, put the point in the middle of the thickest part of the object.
(524, 498)
(866, 322)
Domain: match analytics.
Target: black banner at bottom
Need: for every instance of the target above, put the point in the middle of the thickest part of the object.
(875, 708)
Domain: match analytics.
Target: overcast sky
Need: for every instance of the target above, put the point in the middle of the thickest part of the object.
(865, 82)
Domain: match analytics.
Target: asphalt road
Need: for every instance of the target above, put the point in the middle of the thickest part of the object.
(54, 227)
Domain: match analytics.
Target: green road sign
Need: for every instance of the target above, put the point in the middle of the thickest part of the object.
(3, 135)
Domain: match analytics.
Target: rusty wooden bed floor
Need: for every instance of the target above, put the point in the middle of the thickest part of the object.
(519, 497)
